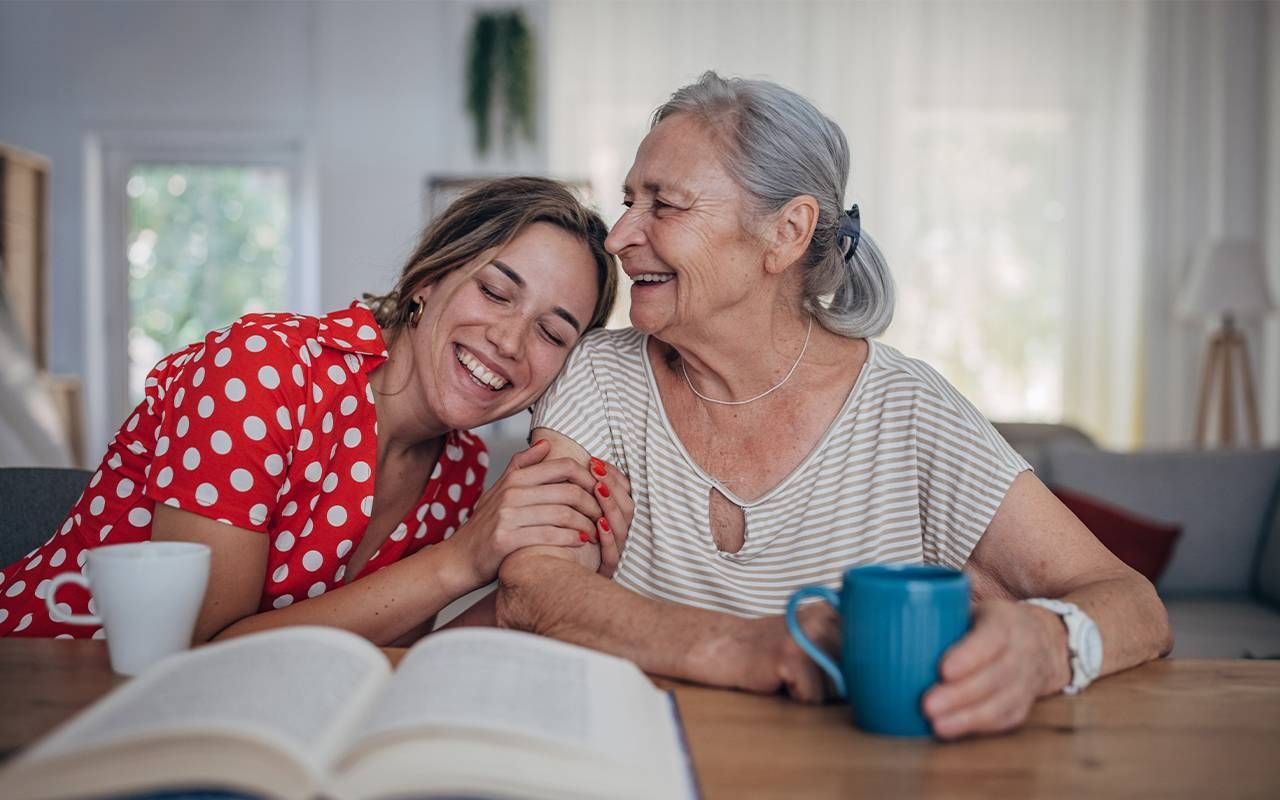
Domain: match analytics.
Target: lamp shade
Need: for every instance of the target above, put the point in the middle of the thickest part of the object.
(1228, 277)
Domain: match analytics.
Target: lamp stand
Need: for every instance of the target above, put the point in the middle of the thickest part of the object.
(1226, 346)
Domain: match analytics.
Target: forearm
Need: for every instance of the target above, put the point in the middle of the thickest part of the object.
(481, 614)
(1035, 547)
(389, 606)
(1130, 617)
(565, 600)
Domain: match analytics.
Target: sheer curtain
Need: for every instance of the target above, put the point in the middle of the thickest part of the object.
(996, 152)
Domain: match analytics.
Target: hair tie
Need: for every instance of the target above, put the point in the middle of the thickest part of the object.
(850, 229)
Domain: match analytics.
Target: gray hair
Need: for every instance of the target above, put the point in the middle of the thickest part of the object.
(778, 146)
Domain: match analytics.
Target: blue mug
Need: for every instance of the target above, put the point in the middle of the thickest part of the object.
(897, 621)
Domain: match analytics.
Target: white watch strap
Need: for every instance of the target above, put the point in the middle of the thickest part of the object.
(1076, 622)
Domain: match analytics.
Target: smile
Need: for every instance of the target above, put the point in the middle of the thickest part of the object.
(653, 277)
(479, 372)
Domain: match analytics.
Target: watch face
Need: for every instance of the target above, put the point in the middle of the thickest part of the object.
(1091, 651)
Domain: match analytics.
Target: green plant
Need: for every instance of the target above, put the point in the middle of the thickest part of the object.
(500, 76)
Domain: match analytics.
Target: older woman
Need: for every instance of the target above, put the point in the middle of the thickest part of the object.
(772, 443)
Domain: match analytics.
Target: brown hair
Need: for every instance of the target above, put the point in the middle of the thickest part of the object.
(488, 217)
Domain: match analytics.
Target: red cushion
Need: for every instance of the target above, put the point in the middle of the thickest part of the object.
(1144, 544)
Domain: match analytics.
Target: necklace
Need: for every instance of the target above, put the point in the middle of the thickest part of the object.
(766, 392)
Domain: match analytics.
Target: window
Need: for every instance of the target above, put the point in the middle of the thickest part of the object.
(188, 231)
(205, 244)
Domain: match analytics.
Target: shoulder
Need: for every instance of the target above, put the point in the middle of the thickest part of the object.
(612, 342)
(299, 341)
(255, 349)
(912, 390)
(610, 352)
(893, 373)
(270, 354)
(260, 338)
(604, 364)
(351, 330)
(603, 361)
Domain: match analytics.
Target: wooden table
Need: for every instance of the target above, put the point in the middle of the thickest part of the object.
(1176, 728)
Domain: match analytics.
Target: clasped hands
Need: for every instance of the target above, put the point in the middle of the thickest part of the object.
(990, 678)
(547, 501)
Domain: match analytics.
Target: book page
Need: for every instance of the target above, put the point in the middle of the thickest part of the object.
(485, 712)
(299, 689)
(517, 684)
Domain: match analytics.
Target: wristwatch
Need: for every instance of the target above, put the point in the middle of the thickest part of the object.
(1084, 643)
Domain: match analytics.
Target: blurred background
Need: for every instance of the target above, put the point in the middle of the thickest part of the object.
(1046, 178)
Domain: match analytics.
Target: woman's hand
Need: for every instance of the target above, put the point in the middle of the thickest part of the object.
(1013, 654)
(613, 492)
(760, 655)
(535, 502)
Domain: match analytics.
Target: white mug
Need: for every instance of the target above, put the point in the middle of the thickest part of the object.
(148, 595)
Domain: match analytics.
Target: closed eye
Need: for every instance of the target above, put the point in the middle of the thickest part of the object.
(551, 337)
(655, 205)
(490, 293)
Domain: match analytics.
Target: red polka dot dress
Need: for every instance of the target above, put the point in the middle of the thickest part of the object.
(267, 425)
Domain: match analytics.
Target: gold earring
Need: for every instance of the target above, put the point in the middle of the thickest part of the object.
(415, 316)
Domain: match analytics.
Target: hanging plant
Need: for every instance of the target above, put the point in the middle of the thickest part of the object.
(500, 77)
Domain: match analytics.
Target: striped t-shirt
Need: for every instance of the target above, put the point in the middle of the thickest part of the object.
(908, 472)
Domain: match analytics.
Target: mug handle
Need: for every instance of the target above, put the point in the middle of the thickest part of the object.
(797, 633)
(69, 619)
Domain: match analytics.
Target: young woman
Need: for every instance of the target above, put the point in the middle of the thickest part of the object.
(326, 460)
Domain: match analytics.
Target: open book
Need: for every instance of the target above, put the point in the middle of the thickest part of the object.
(317, 712)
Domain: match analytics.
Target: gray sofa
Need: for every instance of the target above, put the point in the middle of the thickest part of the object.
(1222, 585)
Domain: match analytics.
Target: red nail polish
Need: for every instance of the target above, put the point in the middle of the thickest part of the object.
(604, 524)
(598, 468)
(583, 536)
(602, 489)
(540, 441)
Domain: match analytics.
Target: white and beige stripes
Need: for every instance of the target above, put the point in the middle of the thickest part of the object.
(908, 472)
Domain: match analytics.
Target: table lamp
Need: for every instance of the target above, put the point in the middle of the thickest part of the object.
(1227, 281)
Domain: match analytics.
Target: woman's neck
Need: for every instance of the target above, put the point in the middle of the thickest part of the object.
(730, 358)
(405, 421)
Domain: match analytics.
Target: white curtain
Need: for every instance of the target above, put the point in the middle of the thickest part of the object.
(997, 157)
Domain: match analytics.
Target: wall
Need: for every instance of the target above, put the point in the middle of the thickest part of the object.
(389, 111)
(70, 68)
(374, 90)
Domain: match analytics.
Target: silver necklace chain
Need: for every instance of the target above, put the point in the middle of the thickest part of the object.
(766, 392)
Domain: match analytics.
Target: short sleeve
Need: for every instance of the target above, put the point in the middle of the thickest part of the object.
(576, 404)
(965, 470)
(227, 424)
